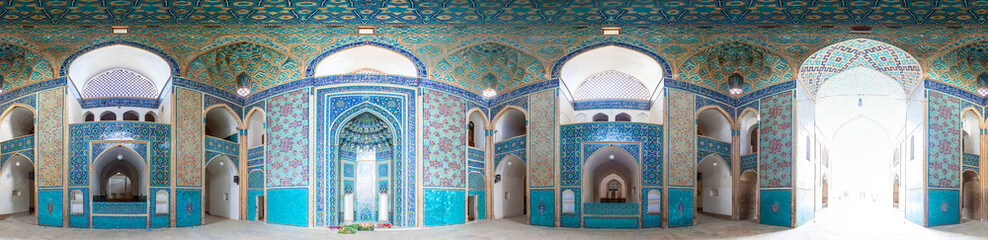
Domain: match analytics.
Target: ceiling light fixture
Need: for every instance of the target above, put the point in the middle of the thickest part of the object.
(736, 84)
(119, 156)
(610, 30)
(242, 81)
(365, 30)
(489, 93)
(611, 156)
(120, 29)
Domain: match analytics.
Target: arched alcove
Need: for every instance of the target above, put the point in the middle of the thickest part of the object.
(748, 123)
(131, 116)
(359, 59)
(17, 186)
(611, 163)
(119, 174)
(256, 129)
(17, 122)
(88, 117)
(580, 68)
(971, 196)
(221, 123)
(476, 130)
(510, 184)
(971, 132)
(622, 117)
(600, 117)
(713, 124)
(366, 154)
(715, 187)
(509, 124)
(221, 194)
(748, 198)
(108, 116)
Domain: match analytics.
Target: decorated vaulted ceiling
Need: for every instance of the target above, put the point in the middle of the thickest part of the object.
(491, 65)
(961, 66)
(228, 65)
(759, 67)
(486, 12)
(19, 66)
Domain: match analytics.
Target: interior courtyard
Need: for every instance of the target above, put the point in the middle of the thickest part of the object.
(477, 119)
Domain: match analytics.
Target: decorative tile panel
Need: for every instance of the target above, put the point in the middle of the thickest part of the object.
(944, 139)
(50, 137)
(188, 137)
(542, 137)
(17, 144)
(443, 134)
(681, 129)
(288, 144)
(775, 135)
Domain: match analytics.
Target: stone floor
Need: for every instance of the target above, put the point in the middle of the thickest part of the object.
(826, 226)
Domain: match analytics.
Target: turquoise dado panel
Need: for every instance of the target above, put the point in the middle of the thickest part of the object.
(481, 204)
(188, 207)
(943, 207)
(542, 210)
(159, 220)
(610, 222)
(681, 207)
(107, 222)
(50, 207)
(80, 220)
(443, 207)
(288, 206)
(252, 203)
(776, 207)
(120, 207)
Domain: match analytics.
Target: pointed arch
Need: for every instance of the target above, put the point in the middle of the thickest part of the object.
(420, 69)
(879, 56)
(651, 70)
(228, 109)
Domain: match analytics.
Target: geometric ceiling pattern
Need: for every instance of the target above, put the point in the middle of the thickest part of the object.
(875, 55)
(611, 85)
(522, 12)
(119, 83)
(759, 67)
(961, 66)
(489, 65)
(263, 66)
(20, 67)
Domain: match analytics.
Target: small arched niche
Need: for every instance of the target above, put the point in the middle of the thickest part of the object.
(607, 165)
(108, 116)
(748, 196)
(366, 59)
(476, 134)
(622, 117)
(119, 175)
(713, 124)
(18, 122)
(221, 123)
(131, 116)
(511, 123)
(600, 117)
(88, 117)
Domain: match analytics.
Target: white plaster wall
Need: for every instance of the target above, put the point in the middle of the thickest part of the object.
(658, 107)
(220, 180)
(164, 113)
(255, 128)
(17, 123)
(567, 114)
(373, 57)
(970, 125)
(510, 124)
(478, 133)
(13, 177)
(748, 120)
(714, 124)
(716, 178)
(220, 123)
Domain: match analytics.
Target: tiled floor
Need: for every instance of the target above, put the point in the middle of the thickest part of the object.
(825, 227)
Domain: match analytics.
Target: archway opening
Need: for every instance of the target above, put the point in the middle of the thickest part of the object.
(713, 124)
(748, 199)
(861, 112)
(971, 198)
(622, 117)
(366, 154)
(512, 123)
(19, 122)
(714, 187)
(366, 59)
(748, 124)
(600, 117)
(221, 123)
(510, 196)
(611, 175)
(17, 186)
(221, 193)
(256, 131)
(131, 116)
(119, 175)
(476, 134)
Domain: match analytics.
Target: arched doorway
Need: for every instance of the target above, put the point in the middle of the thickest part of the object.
(971, 196)
(221, 194)
(714, 186)
(510, 184)
(749, 196)
(510, 123)
(17, 186)
(119, 174)
(366, 152)
(220, 122)
(611, 175)
(16, 122)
